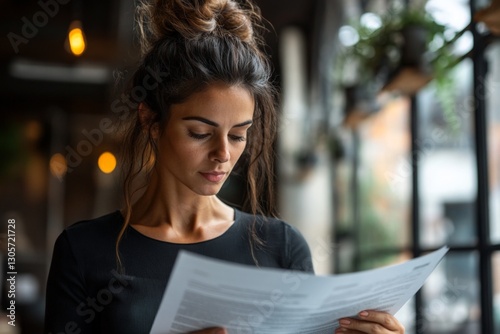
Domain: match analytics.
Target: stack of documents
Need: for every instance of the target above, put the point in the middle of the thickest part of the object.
(204, 292)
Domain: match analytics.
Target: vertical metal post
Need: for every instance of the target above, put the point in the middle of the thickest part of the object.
(482, 201)
(356, 198)
(415, 203)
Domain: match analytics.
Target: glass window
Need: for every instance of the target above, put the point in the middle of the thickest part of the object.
(451, 296)
(448, 182)
(380, 259)
(406, 315)
(384, 183)
(492, 87)
(496, 290)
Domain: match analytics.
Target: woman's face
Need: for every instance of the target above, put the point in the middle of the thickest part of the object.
(204, 138)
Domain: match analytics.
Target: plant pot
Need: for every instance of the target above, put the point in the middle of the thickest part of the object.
(414, 70)
(414, 46)
(360, 102)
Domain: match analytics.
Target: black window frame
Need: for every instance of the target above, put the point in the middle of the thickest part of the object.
(484, 247)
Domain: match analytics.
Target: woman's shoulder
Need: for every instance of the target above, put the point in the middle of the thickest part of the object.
(280, 237)
(271, 229)
(107, 225)
(267, 224)
(88, 242)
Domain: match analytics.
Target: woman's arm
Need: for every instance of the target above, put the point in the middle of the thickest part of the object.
(297, 252)
(66, 293)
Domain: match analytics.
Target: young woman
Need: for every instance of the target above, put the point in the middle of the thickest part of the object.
(205, 106)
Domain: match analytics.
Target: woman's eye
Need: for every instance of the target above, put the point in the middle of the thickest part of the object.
(237, 138)
(198, 135)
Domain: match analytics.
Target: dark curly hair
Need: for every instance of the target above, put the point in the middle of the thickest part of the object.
(186, 46)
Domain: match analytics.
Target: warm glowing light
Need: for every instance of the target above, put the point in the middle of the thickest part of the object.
(76, 38)
(33, 130)
(58, 165)
(107, 162)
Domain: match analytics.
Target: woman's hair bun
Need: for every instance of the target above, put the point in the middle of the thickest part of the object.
(190, 19)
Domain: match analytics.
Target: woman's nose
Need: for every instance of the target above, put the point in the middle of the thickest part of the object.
(220, 152)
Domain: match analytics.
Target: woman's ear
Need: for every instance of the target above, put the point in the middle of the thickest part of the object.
(147, 120)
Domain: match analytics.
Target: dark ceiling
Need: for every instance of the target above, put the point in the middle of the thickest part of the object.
(36, 31)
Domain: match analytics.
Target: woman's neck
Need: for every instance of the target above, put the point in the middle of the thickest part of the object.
(168, 213)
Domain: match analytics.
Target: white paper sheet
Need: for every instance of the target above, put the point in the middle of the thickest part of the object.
(204, 292)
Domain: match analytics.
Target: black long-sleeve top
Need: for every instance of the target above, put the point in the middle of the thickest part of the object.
(86, 293)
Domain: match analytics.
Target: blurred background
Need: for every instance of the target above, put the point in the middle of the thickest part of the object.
(389, 140)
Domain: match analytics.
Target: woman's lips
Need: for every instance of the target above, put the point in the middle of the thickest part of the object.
(213, 176)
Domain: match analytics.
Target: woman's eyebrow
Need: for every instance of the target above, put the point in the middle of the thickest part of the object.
(212, 123)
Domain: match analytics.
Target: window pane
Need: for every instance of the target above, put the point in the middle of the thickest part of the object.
(496, 290)
(493, 110)
(406, 315)
(451, 296)
(381, 259)
(384, 184)
(446, 156)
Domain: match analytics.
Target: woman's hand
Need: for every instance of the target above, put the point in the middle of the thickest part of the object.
(213, 330)
(371, 322)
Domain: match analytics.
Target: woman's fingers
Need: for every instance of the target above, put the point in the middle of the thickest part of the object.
(383, 318)
(373, 322)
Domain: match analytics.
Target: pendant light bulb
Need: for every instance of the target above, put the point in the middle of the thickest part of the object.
(76, 38)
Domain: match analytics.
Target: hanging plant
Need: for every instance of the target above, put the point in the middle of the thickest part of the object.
(403, 54)
(361, 101)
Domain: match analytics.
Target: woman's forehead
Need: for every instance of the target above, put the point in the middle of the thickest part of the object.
(217, 101)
